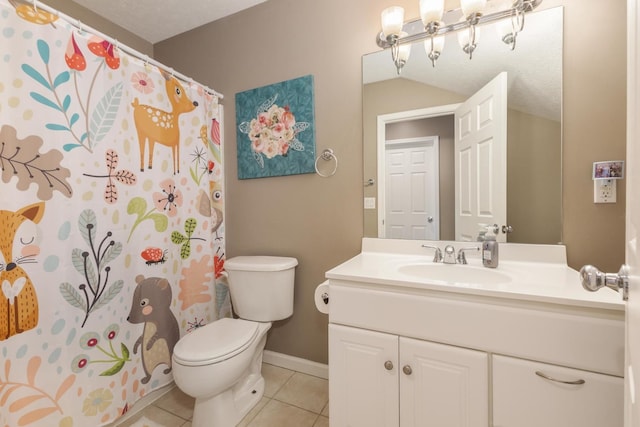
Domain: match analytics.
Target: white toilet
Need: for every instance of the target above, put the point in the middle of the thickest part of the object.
(220, 364)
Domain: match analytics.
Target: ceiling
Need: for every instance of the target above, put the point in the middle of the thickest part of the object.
(154, 20)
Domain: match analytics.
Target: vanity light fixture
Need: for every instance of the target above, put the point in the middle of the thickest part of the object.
(508, 14)
(392, 22)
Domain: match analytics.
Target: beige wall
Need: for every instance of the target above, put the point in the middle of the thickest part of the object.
(319, 220)
(534, 200)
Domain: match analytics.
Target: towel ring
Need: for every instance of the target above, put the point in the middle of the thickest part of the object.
(327, 155)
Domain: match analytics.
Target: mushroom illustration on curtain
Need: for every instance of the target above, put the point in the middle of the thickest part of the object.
(112, 245)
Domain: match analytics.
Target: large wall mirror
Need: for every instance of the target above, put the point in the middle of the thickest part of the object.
(415, 109)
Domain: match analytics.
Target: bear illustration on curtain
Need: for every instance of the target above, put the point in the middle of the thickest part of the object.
(19, 310)
(151, 305)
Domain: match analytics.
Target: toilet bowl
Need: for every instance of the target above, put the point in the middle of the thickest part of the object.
(220, 363)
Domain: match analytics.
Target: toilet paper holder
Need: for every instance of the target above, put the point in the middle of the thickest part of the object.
(321, 297)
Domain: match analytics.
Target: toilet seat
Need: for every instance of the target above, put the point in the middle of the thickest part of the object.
(215, 342)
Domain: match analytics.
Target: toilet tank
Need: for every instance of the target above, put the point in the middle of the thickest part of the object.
(261, 286)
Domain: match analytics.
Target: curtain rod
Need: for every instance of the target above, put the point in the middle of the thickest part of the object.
(129, 50)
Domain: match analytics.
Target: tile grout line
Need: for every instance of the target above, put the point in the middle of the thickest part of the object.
(170, 412)
(299, 407)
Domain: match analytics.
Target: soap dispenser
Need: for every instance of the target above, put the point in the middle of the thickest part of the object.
(490, 248)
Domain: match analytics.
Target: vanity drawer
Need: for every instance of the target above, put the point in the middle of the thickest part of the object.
(523, 398)
(589, 339)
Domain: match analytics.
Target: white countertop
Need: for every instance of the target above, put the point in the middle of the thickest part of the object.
(537, 272)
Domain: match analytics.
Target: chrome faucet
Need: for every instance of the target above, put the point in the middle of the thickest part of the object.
(449, 255)
(462, 259)
(437, 255)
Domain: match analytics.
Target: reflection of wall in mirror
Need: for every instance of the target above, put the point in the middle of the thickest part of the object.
(533, 160)
(442, 127)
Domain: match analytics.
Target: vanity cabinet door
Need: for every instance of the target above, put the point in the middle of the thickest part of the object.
(363, 378)
(442, 385)
(522, 397)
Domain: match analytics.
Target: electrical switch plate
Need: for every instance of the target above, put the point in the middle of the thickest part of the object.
(604, 191)
(369, 202)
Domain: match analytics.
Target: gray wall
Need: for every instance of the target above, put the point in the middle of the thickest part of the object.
(319, 220)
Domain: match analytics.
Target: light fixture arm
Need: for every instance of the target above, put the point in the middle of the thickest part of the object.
(395, 56)
(471, 46)
(516, 12)
(433, 54)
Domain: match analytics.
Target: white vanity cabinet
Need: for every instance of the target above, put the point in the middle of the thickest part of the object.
(379, 379)
(363, 378)
(475, 341)
(531, 394)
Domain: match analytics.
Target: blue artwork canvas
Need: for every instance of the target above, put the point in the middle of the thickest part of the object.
(276, 129)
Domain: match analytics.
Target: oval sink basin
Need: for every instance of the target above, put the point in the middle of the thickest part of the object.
(453, 273)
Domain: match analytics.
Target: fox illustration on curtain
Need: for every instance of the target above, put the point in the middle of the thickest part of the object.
(111, 222)
(20, 313)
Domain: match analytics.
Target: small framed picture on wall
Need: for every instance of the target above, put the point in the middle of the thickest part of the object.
(613, 169)
(276, 129)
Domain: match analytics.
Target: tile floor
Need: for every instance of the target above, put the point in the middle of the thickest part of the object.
(291, 399)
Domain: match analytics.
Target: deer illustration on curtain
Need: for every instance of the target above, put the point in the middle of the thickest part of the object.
(106, 259)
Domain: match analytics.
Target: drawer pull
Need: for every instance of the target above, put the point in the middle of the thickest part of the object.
(546, 377)
(388, 365)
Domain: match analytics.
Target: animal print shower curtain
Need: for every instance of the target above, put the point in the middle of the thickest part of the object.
(111, 221)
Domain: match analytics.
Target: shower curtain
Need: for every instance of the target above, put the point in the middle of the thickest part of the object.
(111, 221)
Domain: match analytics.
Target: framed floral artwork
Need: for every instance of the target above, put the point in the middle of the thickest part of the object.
(276, 129)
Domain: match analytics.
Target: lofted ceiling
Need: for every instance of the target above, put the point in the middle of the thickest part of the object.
(154, 20)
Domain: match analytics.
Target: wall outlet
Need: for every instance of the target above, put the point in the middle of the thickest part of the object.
(369, 202)
(604, 191)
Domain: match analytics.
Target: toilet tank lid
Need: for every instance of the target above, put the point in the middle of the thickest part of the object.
(260, 263)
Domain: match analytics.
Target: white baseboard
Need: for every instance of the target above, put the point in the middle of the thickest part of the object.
(296, 364)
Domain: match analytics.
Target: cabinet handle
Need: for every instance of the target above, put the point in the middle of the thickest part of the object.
(407, 370)
(388, 365)
(546, 377)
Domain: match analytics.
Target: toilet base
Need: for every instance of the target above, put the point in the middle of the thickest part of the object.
(227, 409)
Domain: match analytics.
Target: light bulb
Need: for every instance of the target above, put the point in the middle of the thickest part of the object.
(405, 50)
(392, 21)
(472, 7)
(431, 11)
